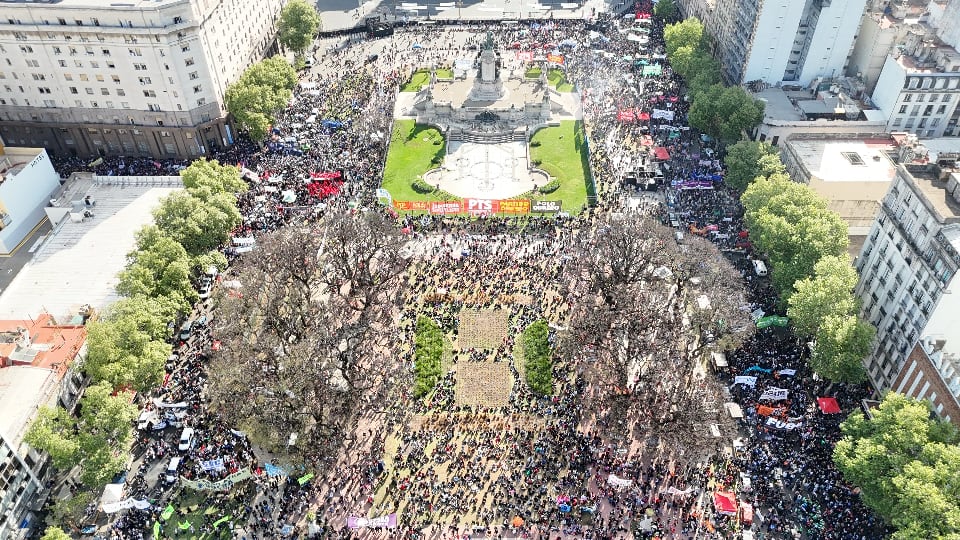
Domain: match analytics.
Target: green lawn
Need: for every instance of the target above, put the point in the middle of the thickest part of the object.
(418, 80)
(558, 79)
(444, 73)
(412, 149)
(563, 154)
(533, 73)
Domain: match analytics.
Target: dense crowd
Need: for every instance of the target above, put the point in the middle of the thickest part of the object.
(526, 467)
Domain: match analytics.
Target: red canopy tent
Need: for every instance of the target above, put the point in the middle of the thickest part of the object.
(661, 153)
(626, 115)
(746, 512)
(643, 116)
(725, 502)
(828, 405)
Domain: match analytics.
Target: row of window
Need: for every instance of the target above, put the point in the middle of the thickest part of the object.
(932, 82)
(50, 103)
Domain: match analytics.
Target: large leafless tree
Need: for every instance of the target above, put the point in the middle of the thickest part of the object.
(308, 332)
(644, 308)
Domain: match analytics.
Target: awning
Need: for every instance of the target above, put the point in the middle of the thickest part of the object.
(733, 409)
(719, 359)
(828, 405)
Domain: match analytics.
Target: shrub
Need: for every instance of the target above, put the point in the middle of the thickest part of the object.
(550, 186)
(537, 358)
(420, 186)
(427, 355)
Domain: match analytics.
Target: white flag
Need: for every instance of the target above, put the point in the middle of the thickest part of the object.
(788, 372)
(619, 482)
(745, 379)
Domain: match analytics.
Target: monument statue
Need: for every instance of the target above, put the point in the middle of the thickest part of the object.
(488, 44)
(488, 87)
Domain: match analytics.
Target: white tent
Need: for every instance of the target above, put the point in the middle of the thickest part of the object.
(112, 493)
(734, 409)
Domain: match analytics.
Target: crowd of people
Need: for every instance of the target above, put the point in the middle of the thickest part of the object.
(527, 467)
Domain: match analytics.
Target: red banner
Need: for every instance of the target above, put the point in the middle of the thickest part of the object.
(411, 205)
(474, 207)
(515, 206)
(446, 207)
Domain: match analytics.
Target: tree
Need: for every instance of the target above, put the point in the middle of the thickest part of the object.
(686, 33)
(299, 22)
(725, 112)
(906, 465)
(742, 162)
(262, 90)
(665, 10)
(631, 287)
(828, 292)
(211, 174)
(159, 267)
(200, 220)
(791, 224)
(308, 334)
(97, 441)
(842, 342)
(120, 353)
(538, 358)
(54, 533)
(69, 511)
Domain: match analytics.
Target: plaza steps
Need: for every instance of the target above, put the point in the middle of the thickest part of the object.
(488, 138)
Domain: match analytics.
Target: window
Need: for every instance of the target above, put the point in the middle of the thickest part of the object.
(934, 97)
(105, 52)
(84, 77)
(56, 50)
(62, 21)
(33, 63)
(121, 92)
(99, 78)
(104, 91)
(111, 65)
(942, 109)
(946, 98)
(95, 65)
(63, 63)
(193, 76)
(126, 105)
(145, 80)
(68, 76)
(921, 98)
(201, 102)
(197, 89)
(89, 91)
(135, 52)
(903, 109)
(115, 78)
(185, 47)
(928, 110)
(73, 90)
(907, 98)
(189, 61)
(149, 93)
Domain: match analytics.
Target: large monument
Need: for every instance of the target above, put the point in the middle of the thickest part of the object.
(488, 86)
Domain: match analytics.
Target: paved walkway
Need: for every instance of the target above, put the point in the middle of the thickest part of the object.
(486, 171)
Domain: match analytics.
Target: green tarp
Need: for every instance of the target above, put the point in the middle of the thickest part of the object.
(167, 512)
(772, 320)
(305, 478)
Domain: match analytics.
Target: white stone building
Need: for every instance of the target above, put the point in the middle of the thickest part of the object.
(27, 180)
(908, 264)
(142, 77)
(779, 40)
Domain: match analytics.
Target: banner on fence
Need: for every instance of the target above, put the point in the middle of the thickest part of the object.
(555, 58)
(388, 521)
(220, 485)
(546, 207)
(774, 394)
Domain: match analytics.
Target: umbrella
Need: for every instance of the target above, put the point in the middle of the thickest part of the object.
(417, 46)
(517, 521)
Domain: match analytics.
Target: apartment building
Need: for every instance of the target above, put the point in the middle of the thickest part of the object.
(137, 78)
(909, 262)
(778, 41)
(35, 359)
(918, 89)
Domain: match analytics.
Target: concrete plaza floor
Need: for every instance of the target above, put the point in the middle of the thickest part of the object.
(486, 171)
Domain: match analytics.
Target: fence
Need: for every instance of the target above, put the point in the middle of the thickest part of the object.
(139, 181)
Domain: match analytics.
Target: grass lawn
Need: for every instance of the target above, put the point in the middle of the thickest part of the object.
(563, 154)
(444, 73)
(533, 73)
(412, 149)
(558, 79)
(418, 80)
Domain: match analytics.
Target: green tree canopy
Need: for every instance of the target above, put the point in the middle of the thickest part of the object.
(263, 89)
(97, 441)
(724, 112)
(842, 342)
(906, 466)
(299, 22)
(828, 292)
(199, 220)
(686, 33)
(538, 358)
(791, 224)
(127, 347)
(54, 533)
(159, 267)
(743, 162)
(211, 174)
(665, 10)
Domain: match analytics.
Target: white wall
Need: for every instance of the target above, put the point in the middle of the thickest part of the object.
(777, 24)
(832, 40)
(889, 86)
(25, 196)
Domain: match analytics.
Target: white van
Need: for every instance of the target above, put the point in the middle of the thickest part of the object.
(186, 439)
(172, 470)
(759, 267)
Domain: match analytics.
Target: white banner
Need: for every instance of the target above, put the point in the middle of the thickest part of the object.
(661, 113)
(791, 424)
(212, 465)
(674, 491)
(774, 394)
(619, 482)
(159, 403)
(745, 379)
(787, 372)
(111, 508)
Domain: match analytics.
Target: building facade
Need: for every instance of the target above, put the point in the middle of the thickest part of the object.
(932, 371)
(141, 78)
(27, 180)
(908, 263)
(778, 41)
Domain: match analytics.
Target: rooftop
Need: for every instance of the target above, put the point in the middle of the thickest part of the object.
(78, 263)
(934, 192)
(49, 346)
(99, 4)
(14, 159)
(23, 389)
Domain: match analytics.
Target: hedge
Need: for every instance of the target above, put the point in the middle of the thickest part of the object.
(428, 353)
(550, 186)
(537, 358)
(421, 186)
